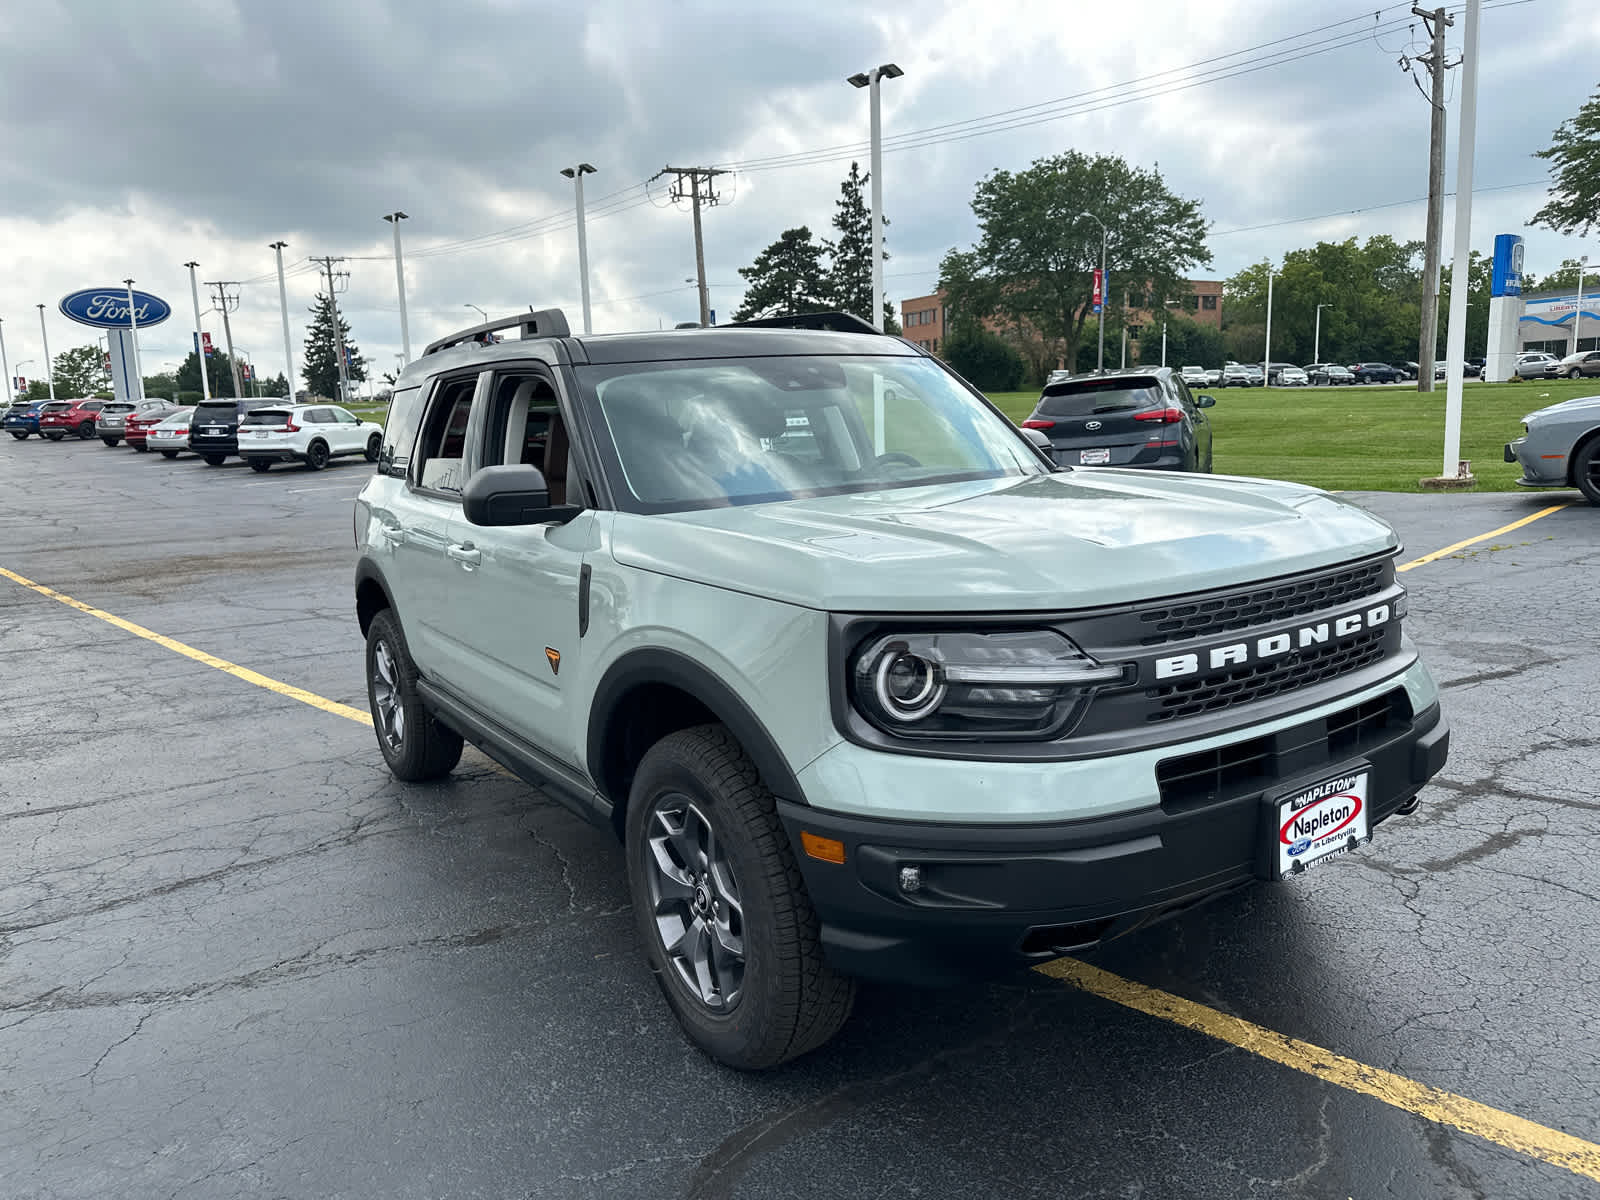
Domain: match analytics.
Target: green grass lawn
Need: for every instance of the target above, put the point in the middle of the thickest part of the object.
(1362, 438)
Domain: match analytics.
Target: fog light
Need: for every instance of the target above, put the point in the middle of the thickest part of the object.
(910, 879)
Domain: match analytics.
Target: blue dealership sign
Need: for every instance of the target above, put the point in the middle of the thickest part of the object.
(107, 308)
(1506, 278)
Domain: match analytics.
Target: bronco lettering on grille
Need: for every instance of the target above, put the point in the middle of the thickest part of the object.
(1232, 654)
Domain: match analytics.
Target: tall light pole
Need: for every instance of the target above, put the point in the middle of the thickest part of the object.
(576, 174)
(283, 307)
(1577, 312)
(1455, 347)
(481, 313)
(1105, 293)
(5, 364)
(1166, 304)
(870, 81)
(1316, 337)
(199, 334)
(1266, 350)
(49, 372)
(133, 332)
(394, 219)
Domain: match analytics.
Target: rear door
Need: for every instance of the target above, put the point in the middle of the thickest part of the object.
(1093, 422)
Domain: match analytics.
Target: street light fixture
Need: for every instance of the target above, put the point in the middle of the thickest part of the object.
(394, 219)
(1105, 293)
(576, 174)
(481, 313)
(10, 382)
(870, 79)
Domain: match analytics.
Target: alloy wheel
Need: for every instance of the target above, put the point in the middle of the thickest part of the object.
(386, 697)
(695, 901)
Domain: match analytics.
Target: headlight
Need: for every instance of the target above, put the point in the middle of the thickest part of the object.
(1031, 684)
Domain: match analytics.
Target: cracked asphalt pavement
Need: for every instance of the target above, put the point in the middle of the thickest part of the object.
(238, 959)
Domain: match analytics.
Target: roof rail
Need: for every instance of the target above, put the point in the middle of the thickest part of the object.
(829, 322)
(546, 322)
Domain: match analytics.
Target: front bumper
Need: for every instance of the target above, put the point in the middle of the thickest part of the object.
(994, 897)
(1538, 469)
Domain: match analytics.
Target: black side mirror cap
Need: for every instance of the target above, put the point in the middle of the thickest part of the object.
(1204, 401)
(1037, 437)
(513, 495)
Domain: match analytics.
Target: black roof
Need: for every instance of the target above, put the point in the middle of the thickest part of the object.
(735, 342)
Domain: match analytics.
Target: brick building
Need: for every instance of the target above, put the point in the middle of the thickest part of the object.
(922, 318)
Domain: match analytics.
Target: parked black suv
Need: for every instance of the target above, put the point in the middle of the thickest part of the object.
(214, 428)
(1142, 417)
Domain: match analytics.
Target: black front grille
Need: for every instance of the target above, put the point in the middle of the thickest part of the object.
(1258, 763)
(1191, 697)
(1225, 612)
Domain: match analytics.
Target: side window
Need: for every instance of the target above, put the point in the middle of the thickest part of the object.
(343, 418)
(320, 416)
(439, 463)
(400, 431)
(1182, 389)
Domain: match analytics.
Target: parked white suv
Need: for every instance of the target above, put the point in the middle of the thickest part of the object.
(308, 433)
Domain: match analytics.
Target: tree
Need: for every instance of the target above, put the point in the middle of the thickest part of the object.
(164, 383)
(1033, 263)
(218, 366)
(1574, 203)
(788, 277)
(321, 369)
(79, 372)
(1188, 341)
(849, 280)
(1563, 279)
(984, 359)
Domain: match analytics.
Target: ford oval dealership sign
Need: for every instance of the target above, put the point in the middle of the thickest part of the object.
(107, 308)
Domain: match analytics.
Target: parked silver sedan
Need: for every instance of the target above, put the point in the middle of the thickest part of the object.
(1560, 447)
(171, 437)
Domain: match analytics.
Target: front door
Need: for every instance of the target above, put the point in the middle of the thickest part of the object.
(513, 603)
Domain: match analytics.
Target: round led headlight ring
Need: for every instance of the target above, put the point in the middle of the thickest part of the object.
(906, 685)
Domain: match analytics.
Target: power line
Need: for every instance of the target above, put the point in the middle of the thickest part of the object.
(1351, 212)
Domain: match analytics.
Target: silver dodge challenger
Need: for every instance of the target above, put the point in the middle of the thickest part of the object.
(1560, 447)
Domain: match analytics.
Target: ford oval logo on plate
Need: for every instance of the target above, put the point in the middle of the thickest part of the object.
(107, 308)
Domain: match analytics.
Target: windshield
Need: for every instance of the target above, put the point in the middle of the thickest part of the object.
(181, 417)
(702, 434)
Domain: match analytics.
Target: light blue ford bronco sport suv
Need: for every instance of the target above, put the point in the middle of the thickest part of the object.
(867, 686)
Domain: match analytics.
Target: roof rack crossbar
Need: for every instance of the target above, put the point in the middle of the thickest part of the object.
(546, 322)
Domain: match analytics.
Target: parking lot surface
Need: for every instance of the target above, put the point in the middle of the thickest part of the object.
(238, 959)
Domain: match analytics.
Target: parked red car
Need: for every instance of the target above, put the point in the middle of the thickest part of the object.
(138, 425)
(62, 417)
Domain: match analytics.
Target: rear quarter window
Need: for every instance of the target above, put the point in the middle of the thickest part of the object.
(400, 431)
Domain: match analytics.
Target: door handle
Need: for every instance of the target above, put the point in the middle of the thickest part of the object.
(393, 534)
(467, 554)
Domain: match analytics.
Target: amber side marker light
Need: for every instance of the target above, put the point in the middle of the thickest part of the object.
(826, 849)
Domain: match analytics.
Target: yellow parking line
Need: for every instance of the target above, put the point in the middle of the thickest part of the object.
(1428, 558)
(199, 656)
(1431, 1103)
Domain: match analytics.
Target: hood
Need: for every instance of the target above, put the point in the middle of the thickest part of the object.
(1574, 407)
(1075, 539)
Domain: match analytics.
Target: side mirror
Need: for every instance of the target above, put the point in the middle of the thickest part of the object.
(1204, 401)
(1037, 437)
(513, 495)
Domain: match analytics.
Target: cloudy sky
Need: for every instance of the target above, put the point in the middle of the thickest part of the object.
(139, 136)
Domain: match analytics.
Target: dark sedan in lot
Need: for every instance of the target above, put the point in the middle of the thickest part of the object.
(1375, 372)
(1143, 417)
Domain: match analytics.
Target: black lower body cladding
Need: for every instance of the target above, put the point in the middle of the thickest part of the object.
(991, 898)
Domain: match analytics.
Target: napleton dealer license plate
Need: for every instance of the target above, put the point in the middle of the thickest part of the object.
(1326, 818)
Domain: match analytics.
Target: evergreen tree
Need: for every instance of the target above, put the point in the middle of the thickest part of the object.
(321, 368)
(218, 367)
(850, 273)
(786, 278)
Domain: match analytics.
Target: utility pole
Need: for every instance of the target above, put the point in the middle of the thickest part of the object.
(338, 328)
(199, 336)
(283, 307)
(696, 176)
(1437, 21)
(225, 303)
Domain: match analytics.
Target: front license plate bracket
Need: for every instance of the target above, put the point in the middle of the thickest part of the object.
(1314, 821)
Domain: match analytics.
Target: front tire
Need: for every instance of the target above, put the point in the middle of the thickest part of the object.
(374, 445)
(317, 455)
(110, 441)
(1574, 374)
(415, 746)
(261, 465)
(721, 907)
(214, 460)
(1586, 470)
(85, 430)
